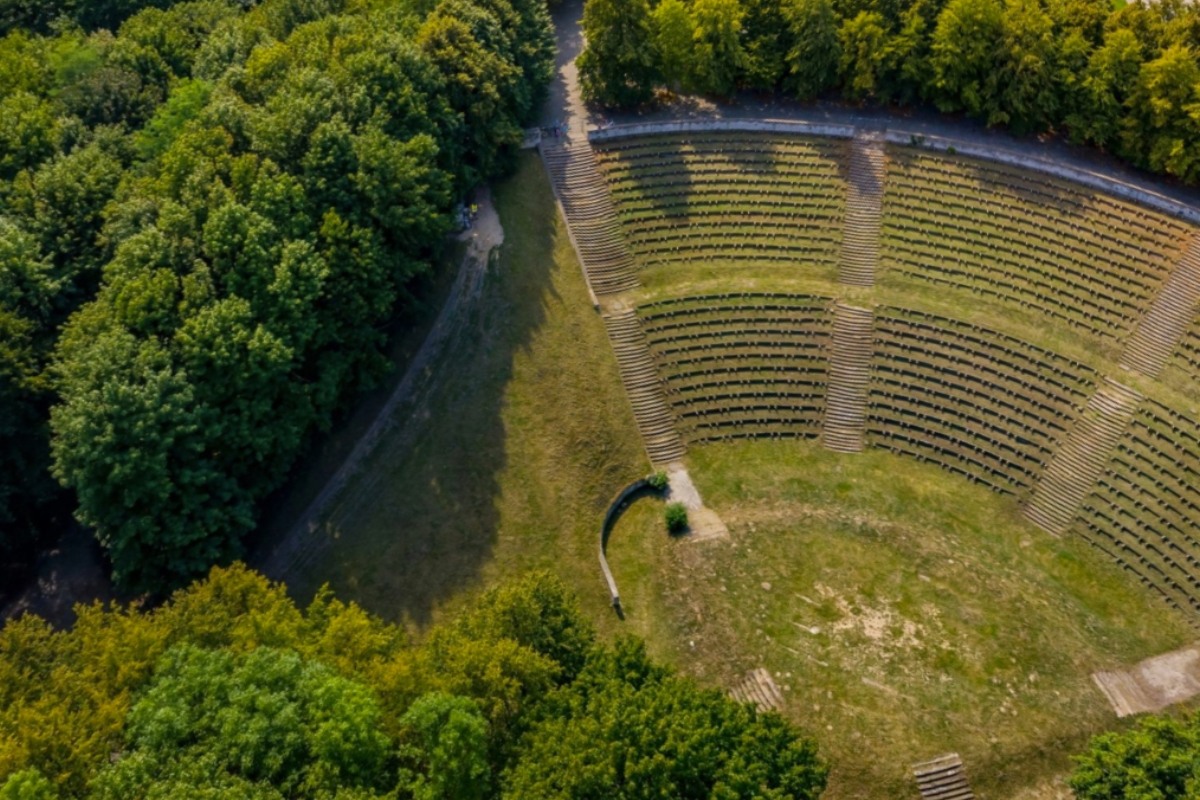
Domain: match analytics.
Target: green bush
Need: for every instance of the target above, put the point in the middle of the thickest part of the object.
(657, 480)
(677, 518)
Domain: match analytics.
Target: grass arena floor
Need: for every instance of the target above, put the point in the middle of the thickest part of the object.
(905, 611)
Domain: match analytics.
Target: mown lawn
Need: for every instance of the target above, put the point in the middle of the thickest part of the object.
(904, 612)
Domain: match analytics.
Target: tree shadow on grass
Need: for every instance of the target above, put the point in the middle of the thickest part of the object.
(483, 447)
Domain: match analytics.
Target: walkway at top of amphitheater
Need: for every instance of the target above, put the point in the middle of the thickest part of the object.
(1079, 164)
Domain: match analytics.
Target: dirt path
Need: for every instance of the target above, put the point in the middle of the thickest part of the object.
(73, 571)
(316, 528)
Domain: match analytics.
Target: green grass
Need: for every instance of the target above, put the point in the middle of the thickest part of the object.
(905, 612)
(526, 436)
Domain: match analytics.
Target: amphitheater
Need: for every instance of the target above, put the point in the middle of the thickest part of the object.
(1101, 442)
(869, 288)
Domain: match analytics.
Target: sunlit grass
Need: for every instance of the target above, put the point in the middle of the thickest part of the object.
(904, 611)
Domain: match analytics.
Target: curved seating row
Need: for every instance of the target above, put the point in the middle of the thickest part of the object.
(976, 402)
(742, 365)
(1145, 509)
(1187, 354)
(1089, 260)
(741, 197)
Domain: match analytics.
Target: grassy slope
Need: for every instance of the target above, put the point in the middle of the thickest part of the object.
(528, 436)
(909, 612)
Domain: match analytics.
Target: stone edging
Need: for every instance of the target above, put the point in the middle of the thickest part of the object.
(615, 508)
(758, 125)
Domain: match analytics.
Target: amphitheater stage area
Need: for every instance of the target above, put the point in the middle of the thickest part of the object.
(902, 611)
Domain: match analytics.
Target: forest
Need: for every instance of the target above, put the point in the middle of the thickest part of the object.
(1124, 78)
(229, 690)
(210, 212)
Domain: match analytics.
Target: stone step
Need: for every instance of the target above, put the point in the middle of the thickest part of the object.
(1170, 315)
(591, 217)
(849, 374)
(864, 212)
(759, 688)
(655, 422)
(943, 778)
(1081, 457)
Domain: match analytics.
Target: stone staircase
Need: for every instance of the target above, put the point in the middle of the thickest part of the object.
(1168, 318)
(849, 373)
(943, 778)
(591, 216)
(1081, 457)
(864, 210)
(759, 688)
(640, 377)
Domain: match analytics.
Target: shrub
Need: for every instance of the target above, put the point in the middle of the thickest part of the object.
(657, 480)
(677, 518)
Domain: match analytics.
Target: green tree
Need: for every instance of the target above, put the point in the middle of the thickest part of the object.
(536, 612)
(24, 454)
(28, 133)
(187, 99)
(617, 68)
(718, 56)
(963, 55)
(906, 56)
(1163, 124)
(863, 41)
(132, 441)
(1026, 93)
(812, 61)
(767, 44)
(27, 785)
(673, 28)
(627, 729)
(475, 83)
(1109, 81)
(444, 749)
(1160, 758)
(268, 717)
(63, 204)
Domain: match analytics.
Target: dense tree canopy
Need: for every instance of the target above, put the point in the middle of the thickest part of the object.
(1158, 759)
(626, 729)
(230, 690)
(1126, 80)
(207, 216)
